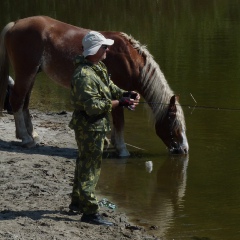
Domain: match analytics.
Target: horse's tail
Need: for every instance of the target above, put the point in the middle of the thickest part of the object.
(4, 65)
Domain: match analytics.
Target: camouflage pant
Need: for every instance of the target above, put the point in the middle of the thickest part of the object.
(87, 170)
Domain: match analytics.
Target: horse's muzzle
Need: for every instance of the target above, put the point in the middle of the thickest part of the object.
(177, 149)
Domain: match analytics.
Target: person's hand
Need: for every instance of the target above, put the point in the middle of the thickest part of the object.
(135, 96)
(132, 94)
(126, 101)
(130, 99)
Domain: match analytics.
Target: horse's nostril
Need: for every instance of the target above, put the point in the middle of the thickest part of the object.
(185, 151)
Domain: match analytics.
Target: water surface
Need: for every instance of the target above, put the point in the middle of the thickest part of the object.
(197, 45)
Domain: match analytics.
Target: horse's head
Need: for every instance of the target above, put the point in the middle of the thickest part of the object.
(171, 129)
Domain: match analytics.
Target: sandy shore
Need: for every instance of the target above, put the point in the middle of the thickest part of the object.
(36, 185)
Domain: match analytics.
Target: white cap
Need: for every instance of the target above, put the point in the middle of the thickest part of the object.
(93, 41)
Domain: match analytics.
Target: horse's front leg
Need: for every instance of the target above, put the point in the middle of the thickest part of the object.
(117, 136)
(21, 130)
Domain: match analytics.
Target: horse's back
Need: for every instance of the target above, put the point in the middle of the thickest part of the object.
(41, 24)
(41, 42)
(44, 43)
(45, 30)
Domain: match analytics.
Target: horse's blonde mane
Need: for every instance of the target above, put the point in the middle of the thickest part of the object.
(153, 79)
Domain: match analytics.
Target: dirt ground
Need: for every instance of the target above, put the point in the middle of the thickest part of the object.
(36, 185)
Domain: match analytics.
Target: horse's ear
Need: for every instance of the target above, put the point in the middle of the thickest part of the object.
(173, 100)
(172, 109)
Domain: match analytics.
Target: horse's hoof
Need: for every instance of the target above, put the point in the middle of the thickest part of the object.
(29, 145)
(35, 135)
(36, 139)
(124, 153)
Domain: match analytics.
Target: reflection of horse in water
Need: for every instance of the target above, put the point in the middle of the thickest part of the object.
(43, 44)
(154, 198)
(169, 191)
(172, 177)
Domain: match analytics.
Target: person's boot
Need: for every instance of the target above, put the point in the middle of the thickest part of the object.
(95, 219)
(74, 208)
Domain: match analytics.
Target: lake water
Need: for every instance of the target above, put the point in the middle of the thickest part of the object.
(197, 45)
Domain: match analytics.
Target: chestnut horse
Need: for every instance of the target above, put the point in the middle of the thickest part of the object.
(41, 43)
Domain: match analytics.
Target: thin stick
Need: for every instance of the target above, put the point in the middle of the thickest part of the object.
(193, 98)
(195, 103)
(135, 147)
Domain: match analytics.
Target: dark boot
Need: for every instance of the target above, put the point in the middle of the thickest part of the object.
(74, 207)
(95, 219)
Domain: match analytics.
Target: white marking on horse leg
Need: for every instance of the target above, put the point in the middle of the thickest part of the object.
(118, 142)
(35, 136)
(29, 125)
(10, 82)
(21, 130)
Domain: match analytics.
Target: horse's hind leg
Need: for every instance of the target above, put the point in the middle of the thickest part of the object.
(29, 125)
(117, 137)
(21, 130)
(19, 100)
(27, 116)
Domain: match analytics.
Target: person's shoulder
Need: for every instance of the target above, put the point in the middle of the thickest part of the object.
(83, 70)
(86, 70)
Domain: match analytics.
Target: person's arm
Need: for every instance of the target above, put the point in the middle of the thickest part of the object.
(127, 99)
(125, 102)
(115, 103)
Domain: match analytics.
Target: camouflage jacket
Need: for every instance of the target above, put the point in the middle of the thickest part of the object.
(92, 92)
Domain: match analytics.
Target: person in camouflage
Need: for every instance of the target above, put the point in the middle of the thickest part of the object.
(93, 95)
